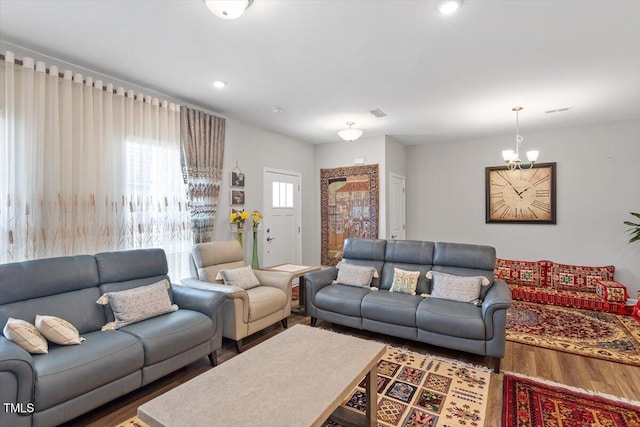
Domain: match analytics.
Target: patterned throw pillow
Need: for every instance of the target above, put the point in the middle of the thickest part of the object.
(355, 275)
(58, 330)
(404, 281)
(138, 304)
(456, 288)
(577, 277)
(242, 277)
(526, 273)
(611, 290)
(26, 336)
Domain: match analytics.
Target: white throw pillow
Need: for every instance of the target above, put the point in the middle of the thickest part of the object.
(242, 277)
(26, 336)
(404, 281)
(58, 330)
(456, 288)
(355, 275)
(134, 305)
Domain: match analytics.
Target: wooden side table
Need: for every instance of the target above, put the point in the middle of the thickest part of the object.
(298, 271)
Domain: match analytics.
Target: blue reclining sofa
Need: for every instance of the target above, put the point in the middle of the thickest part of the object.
(474, 328)
(73, 379)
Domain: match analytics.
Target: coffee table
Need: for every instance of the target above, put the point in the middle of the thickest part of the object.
(297, 378)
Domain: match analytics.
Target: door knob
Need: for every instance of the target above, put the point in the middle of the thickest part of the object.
(270, 239)
(393, 236)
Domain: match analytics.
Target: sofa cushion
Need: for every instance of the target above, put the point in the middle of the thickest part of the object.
(170, 334)
(404, 281)
(526, 273)
(355, 275)
(26, 336)
(394, 308)
(58, 330)
(242, 277)
(341, 299)
(611, 290)
(577, 277)
(422, 287)
(457, 288)
(451, 318)
(69, 371)
(265, 300)
(137, 304)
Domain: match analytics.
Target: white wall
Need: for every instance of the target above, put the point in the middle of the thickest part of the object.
(254, 149)
(598, 183)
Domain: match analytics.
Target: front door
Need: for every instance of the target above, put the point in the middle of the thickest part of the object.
(281, 234)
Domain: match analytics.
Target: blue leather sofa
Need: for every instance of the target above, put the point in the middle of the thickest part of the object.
(71, 380)
(478, 329)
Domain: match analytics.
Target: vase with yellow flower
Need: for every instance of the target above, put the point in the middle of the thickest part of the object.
(256, 217)
(238, 218)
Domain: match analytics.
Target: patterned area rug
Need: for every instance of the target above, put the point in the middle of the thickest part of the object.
(528, 403)
(418, 390)
(582, 332)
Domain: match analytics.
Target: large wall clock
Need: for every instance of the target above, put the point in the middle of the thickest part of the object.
(521, 195)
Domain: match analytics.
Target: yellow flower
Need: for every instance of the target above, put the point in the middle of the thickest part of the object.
(232, 217)
(244, 214)
(256, 216)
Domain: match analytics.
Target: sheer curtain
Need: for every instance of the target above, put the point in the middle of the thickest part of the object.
(85, 170)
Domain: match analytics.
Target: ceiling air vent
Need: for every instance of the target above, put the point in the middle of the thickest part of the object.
(558, 110)
(378, 113)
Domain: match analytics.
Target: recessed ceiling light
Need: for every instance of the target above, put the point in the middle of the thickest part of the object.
(447, 7)
(219, 84)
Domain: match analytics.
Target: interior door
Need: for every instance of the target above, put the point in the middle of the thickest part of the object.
(396, 207)
(281, 226)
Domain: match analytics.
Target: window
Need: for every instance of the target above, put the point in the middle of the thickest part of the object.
(282, 195)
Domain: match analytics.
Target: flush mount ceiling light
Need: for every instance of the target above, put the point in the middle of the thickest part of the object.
(219, 84)
(350, 134)
(447, 7)
(511, 158)
(228, 9)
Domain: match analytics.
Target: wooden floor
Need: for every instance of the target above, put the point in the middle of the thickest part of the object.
(592, 374)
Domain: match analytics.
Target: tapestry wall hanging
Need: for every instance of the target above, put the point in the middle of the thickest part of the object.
(348, 207)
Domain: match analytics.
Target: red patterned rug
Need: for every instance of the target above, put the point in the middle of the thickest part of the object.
(582, 332)
(528, 403)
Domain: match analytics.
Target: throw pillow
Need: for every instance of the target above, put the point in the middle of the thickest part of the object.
(577, 277)
(456, 288)
(242, 277)
(526, 273)
(404, 281)
(26, 336)
(355, 275)
(58, 330)
(375, 272)
(138, 304)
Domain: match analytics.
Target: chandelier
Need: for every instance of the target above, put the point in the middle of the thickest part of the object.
(228, 9)
(350, 133)
(512, 158)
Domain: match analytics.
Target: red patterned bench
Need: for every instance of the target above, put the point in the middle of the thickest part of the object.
(547, 282)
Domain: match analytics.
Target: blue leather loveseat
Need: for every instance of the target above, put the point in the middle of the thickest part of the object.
(475, 328)
(72, 379)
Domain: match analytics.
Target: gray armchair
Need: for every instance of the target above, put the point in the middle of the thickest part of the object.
(245, 311)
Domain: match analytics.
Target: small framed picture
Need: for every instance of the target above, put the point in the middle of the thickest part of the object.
(237, 178)
(237, 197)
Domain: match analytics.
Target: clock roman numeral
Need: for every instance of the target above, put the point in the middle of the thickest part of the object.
(506, 212)
(541, 180)
(543, 193)
(498, 206)
(545, 207)
(533, 213)
(497, 195)
(496, 184)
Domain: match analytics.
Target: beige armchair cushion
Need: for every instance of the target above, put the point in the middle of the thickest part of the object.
(265, 300)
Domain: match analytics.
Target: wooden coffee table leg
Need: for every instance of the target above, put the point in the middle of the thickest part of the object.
(371, 386)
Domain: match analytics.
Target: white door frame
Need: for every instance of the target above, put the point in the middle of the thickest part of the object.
(297, 208)
(404, 206)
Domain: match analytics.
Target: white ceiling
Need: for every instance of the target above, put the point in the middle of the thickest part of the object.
(439, 78)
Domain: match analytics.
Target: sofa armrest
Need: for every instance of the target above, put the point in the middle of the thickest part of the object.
(498, 298)
(229, 291)
(17, 378)
(318, 280)
(276, 279)
(204, 301)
